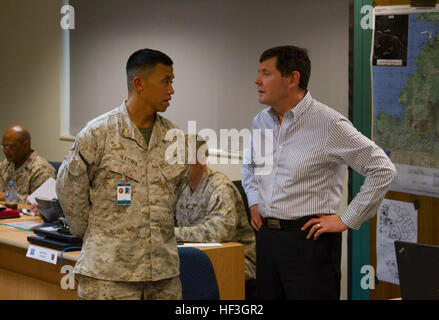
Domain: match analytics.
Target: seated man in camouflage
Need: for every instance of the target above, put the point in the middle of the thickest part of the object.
(210, 209)
(22, 164)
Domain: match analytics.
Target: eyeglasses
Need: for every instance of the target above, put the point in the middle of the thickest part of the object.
(9, 146)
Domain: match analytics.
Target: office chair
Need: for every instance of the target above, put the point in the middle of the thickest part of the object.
(56, 165)
(197, 276)
(238, 186)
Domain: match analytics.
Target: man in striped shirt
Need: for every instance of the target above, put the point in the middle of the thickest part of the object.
(294, 203)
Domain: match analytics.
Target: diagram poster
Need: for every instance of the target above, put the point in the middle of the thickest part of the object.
(396, 220)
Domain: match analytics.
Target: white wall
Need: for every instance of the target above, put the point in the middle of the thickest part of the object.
(30, 59)
(29, 77)
(215, 46)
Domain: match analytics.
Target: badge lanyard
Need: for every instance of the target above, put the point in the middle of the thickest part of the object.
(123, 193)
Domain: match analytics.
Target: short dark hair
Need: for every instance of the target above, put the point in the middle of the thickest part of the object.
(142, 60)
(289, 59)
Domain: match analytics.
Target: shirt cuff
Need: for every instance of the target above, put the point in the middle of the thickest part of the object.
(351, 219)
(252, 198)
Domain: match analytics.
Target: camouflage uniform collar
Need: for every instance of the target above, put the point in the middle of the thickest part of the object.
(158, 131)
(129, 130)
(204, 179)
(32, 157)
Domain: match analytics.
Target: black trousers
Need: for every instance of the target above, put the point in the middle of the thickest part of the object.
(289, 266)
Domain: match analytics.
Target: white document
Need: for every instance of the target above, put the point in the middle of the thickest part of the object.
(46, 191)
(42, 254)
(196, 244)
(396, 220)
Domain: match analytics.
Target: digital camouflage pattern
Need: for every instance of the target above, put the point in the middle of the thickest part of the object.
(29, 177)
(215, 212)
(122, 242)
(94, 289)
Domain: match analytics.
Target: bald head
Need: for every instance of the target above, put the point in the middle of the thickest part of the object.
(19, 133)
(17, 144)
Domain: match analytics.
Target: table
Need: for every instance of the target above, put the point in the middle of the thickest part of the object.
(26, 278)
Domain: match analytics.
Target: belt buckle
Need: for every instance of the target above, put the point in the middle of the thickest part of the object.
(273, 223)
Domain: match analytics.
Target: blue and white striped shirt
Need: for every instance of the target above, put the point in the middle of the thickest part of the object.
(311, 149)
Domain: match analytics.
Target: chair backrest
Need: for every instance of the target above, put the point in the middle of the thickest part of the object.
(56, 165)
(238, 186)
(197, 276)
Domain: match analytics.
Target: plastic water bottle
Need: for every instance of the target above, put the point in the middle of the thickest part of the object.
(11, 199)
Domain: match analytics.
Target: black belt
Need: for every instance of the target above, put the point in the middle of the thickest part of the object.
(272, 223)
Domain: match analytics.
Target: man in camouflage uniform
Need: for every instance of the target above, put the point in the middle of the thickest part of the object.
(210, 209)
(22, 164)
(129, 251)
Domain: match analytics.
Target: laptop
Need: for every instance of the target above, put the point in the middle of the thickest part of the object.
(418, 268)
(49, 209)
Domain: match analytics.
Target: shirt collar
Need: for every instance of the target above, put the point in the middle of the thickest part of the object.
(296, 111)
(130, 130)
(206, 174)
(203, 181)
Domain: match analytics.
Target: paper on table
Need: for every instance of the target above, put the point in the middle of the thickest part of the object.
(24, 224)
(196, 244)
(47, 191)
